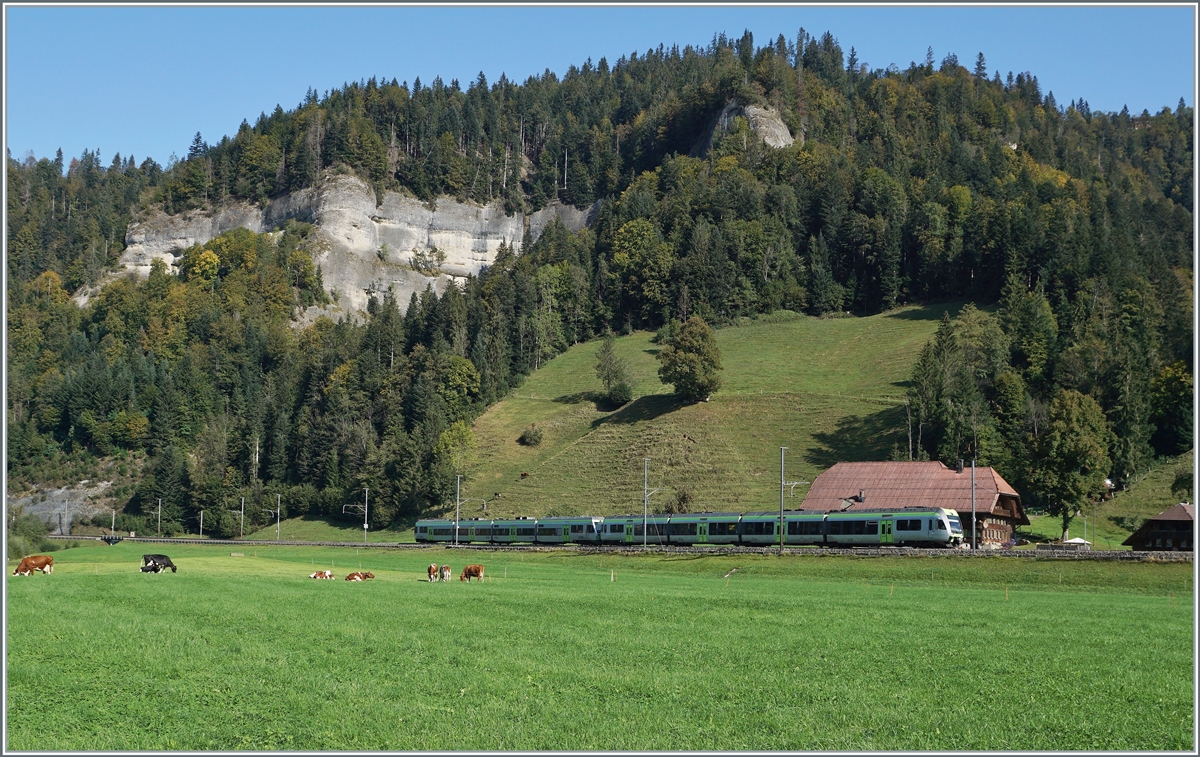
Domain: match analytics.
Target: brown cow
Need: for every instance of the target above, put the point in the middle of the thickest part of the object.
(322, 574)
(356, 576)
(433, 572)
(34, 562)
(471, 571)
(446, 573)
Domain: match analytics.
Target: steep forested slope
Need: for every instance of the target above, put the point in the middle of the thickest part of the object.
(902, 186)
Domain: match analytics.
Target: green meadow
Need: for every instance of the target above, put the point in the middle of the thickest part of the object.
(829, 389)
(567, 651)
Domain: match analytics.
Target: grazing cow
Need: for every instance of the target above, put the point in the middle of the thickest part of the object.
(471, 571)
(152, 568)
(433, 572)
(34, 562)
(524, 474)
(162, 560)
(446, 573)
(322, 574)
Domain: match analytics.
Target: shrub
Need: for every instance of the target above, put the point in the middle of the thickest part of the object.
(531, 436)
(620, 394)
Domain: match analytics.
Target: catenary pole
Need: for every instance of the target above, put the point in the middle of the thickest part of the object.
(160, 517)
(277, 516)
(781, 451)
(974, 530)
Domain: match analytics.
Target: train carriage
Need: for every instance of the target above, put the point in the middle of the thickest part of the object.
(514, 531)
(759, 529)
(803, 527)
(721, 528)
(617, 529)
(438, 530)
(566, 530)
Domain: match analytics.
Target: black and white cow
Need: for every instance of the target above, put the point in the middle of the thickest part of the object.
(162, 562)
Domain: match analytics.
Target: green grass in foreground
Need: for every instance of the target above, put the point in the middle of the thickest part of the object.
(789, 653)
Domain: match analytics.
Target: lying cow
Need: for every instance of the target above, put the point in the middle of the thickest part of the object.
(322, 574)
(34, 562)
(446, 573)
(471, 571)
(161, 560)
(434, 573)
(359, 576)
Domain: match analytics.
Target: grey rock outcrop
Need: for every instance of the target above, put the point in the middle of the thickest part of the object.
(362, 247)
(764, 123)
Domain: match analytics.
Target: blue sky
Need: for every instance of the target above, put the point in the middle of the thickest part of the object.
(144, 80)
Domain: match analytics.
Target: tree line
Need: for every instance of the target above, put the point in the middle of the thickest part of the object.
(903, 186)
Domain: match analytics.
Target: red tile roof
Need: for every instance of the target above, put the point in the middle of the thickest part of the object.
(910, 484)
(1182, 511)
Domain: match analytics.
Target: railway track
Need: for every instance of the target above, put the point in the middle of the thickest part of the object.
(624, 549)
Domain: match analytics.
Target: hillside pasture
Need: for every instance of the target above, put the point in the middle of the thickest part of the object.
(800, 653)
(829, 389)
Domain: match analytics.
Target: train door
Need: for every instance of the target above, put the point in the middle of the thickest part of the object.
(629, 533)
(702, 536)
(885, 531)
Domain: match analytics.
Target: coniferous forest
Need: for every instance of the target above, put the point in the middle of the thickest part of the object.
(1070, 231)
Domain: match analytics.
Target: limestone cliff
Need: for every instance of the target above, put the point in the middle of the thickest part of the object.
(352, 230)
(764, 123)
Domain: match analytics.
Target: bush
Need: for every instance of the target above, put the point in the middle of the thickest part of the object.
(620, 394)
(531, 436)
(668, 331)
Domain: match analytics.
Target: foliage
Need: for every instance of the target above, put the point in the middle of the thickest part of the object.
(1073, 455)
(531, 436)
(613, 372)
(930, 183)
(692, 361)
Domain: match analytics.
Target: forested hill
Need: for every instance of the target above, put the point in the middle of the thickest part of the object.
(933, 182)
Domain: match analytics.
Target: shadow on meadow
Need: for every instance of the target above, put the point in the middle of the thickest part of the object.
(931, 312)
(859, 438)
(644, 408)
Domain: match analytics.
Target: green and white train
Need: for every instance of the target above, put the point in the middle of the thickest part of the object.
(909, 527)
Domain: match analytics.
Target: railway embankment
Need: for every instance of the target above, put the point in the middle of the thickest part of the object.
(987, 554)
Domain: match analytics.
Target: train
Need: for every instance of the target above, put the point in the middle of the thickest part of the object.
(909, 527)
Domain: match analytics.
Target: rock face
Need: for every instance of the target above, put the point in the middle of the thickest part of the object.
(57, 507)
(354, 230)
(764, 123)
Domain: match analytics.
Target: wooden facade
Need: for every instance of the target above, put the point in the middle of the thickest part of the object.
(1171, 530)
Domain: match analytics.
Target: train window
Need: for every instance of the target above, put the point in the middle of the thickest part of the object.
(591, 529)
(872, 527)
(728, 528)
(525, 532)
(577, 529)
(860, 527)
(941, 525)
(682, 529)
(816, 527)
(483, 532)
(543, 531)
(423, 530)
(794, 527)
(618, 528)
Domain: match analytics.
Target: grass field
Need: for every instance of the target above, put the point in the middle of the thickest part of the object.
(795, 652)
(829, 389)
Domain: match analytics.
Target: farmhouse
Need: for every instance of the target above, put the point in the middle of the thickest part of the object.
(859, 486)
(1171, 529)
